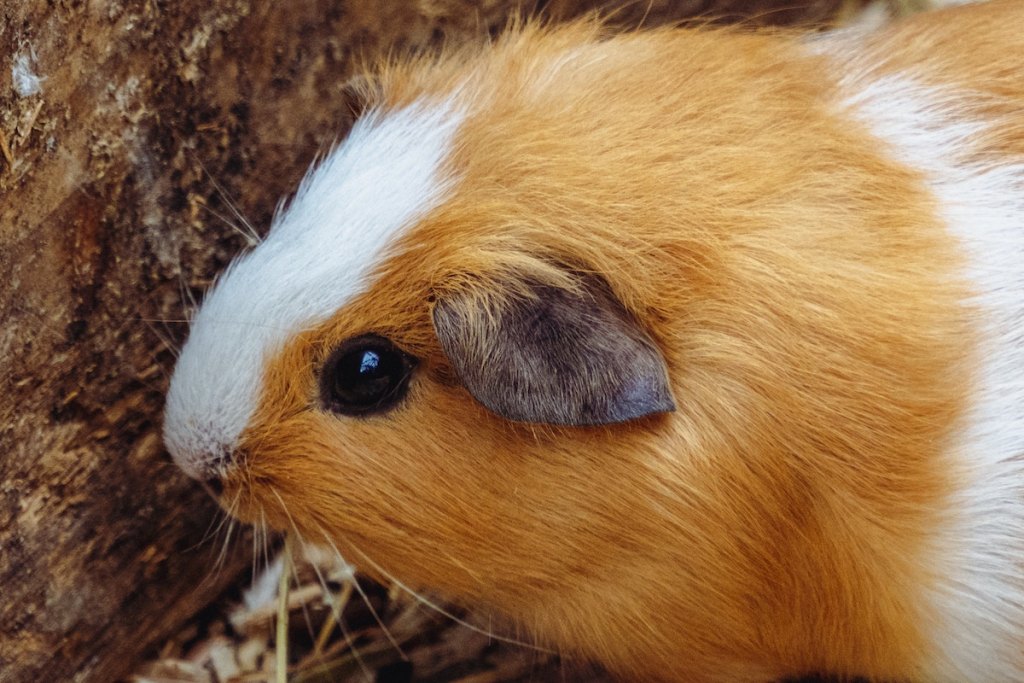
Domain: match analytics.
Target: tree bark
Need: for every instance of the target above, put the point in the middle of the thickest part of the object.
(118, 169)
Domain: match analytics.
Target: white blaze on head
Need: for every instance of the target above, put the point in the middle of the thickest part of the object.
(318, 256)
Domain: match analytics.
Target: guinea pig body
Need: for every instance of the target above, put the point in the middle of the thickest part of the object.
(697, 353)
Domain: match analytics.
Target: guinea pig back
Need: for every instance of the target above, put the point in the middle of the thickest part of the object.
(698, 353)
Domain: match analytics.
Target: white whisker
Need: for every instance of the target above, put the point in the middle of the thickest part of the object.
(440, 610)
(336, 606)
(251, 238)
(341, 624)
(225, 517)
(256, 542)
(289, 548)
(249, 233)
(218, 565)
(189, 305)
(366, 599)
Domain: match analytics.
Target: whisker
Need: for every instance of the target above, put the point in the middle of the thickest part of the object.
(341, 624)
(440, 610)
(366, 599)
(218, 321)
(251, 235)
(177, 321)
(188, 301)
(267, 533)
(251, 239)
(216, 523)
(225, 516)
(264, 547)
(304, 604)
(222, 557)
(165, 338)
(257, 538)
(336, 606)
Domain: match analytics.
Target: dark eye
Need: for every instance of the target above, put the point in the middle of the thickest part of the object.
(364, 375)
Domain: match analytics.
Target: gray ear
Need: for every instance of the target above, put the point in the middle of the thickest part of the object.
(558, 357)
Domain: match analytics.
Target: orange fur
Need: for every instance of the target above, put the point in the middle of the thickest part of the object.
(804, 295)
(973, 48)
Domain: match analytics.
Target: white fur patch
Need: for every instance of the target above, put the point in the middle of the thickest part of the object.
(318, 256)
(982, 557)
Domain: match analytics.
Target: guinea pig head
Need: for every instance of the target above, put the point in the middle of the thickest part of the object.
(388, 374)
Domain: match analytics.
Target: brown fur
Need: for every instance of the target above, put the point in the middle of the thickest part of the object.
(802, 292)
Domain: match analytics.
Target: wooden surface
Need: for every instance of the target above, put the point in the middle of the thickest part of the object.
(114, 181)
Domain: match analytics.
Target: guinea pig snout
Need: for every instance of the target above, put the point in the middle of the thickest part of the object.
(207, 466)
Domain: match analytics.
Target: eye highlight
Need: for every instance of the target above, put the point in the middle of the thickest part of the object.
(365, 375)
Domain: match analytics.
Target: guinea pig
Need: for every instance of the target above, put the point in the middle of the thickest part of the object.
(695, 352)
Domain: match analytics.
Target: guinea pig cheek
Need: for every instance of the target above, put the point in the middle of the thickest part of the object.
(323, 475)
(288, 476)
